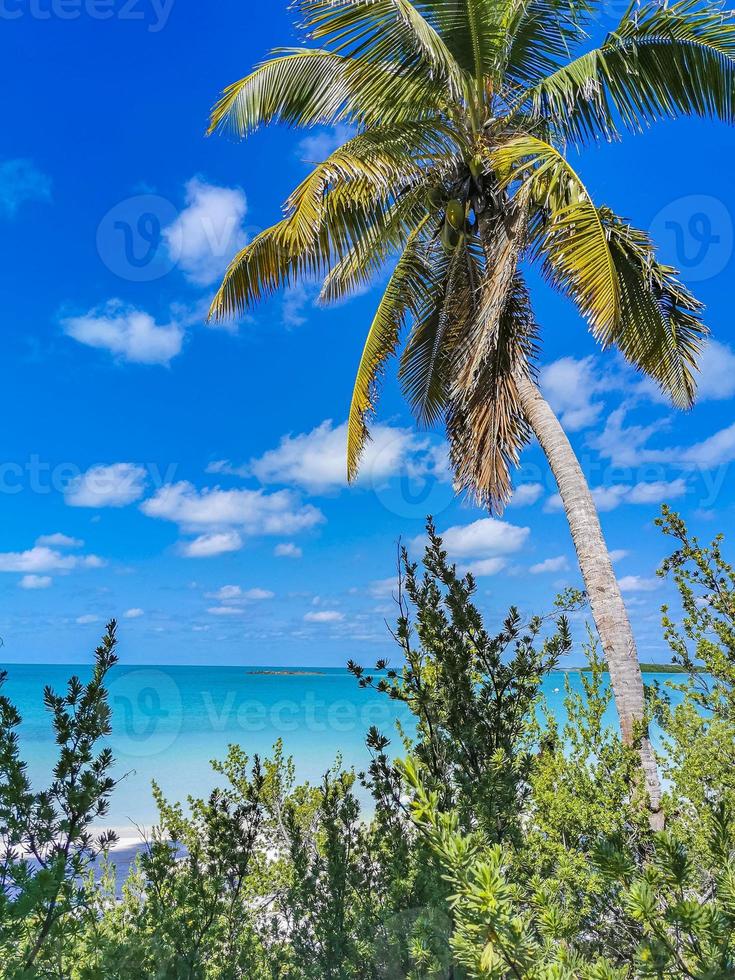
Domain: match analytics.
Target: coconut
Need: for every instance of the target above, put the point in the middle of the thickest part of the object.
(455, 214)
(450, 237)
(436, 197)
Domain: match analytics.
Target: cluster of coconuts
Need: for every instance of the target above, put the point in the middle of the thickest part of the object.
(456, 209)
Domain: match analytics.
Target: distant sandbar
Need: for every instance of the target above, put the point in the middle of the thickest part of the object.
(287, 673)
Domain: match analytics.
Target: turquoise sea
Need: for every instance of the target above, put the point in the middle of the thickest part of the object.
(169, 722)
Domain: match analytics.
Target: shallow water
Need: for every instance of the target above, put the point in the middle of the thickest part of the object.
(169, 722)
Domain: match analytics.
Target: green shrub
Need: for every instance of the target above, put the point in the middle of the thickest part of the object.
(504, 844)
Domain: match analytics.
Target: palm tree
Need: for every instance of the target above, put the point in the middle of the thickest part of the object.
(456, 177)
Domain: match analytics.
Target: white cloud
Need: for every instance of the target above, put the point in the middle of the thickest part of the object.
(318, 146)
(558, 564)
(21, 181)
(485, 538)
(133, 613)
(716, 372)
(287, 550)
(610, 498)
(657, 492)
(225, 611)
(252, 512)
(485, 566)
(714, 451)
(129, 334)
(42, 559)
(627, 445)
(526, 494)
(618, 554)
(234, 594)
(637, 583)
(574, 386)
(87, 619)
(324, 616)
(208, 232)
(570, 385)
(107, 486)
(256, 595)
(35, 582)
(384, 588)
(715, 377)
(317, 460)
(211, 545)
(227, 592)
(59, 541)
(296, 297)
(224, 467)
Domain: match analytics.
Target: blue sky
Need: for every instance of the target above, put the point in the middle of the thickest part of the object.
(189, 480)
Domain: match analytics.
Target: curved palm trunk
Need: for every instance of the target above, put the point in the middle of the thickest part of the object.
(606, 601)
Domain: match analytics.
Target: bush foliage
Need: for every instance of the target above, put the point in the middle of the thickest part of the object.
(499, 843)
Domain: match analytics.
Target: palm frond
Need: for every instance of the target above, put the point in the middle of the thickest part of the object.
(388, 236)
(311, 87)
(281, 254)
(487, 25)
(344, 202)
(542, 36)
(568, 234)
(300, 87)
(662, 61)
(503, 241)
(265, 265)
(486, 427)
(451, 302)
(373, 167)
(660, 330)
(404, 296)
(475, 32)
(380, 31)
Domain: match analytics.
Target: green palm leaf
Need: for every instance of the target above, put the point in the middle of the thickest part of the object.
(376, 166)
(404, 296)
(301, 87)
(661, 61)
(542, 34)
(567, 234)
(660, 330)
(310, 87)
(381, 31)
(389, 235)
(262, 267)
